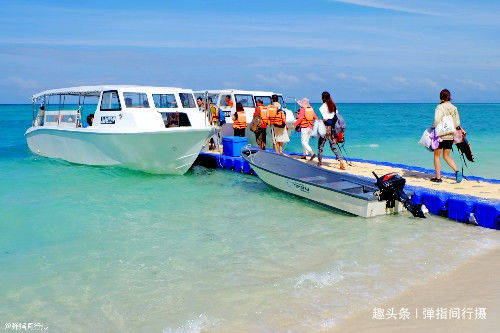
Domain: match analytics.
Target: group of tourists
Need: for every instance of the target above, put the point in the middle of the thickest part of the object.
(330, 118)
(273, 116)
(265, 116)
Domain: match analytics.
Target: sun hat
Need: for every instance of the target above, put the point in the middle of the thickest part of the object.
(304, 102)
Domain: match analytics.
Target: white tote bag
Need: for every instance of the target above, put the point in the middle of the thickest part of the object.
(446, 126)
(426, 139)
(319, 129)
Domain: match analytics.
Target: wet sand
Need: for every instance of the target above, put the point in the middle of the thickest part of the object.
(466, 187)
(475, 284)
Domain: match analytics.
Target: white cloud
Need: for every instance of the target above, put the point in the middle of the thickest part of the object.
(315, 77)
(20, 83)
(280, 79)
(389, 6)
(400, 80)
(431, 83)
(353, 78)
(472, 83)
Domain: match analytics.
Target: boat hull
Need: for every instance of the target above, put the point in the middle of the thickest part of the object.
(161, 152)
(338, 200)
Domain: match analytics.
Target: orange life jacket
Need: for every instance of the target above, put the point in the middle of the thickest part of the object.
(241, 122)
(264, 117)
(280, 119)
(308, 120)
(272, 113)
(230, 102)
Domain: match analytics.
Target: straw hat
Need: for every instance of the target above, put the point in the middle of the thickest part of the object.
(304, 102)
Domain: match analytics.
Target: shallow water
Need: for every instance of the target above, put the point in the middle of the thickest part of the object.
(106, 249)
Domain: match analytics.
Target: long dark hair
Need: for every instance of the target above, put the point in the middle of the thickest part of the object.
(325, 97)
(239, 107)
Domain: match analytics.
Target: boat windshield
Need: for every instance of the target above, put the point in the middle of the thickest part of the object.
(265, 99)
(187, 100)
(135, 100)
(164, 101)
(110, 101)
(245, 100)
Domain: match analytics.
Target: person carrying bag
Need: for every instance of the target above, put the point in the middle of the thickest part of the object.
(446, 122)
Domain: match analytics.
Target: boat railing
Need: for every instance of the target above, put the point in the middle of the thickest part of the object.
(66, 118)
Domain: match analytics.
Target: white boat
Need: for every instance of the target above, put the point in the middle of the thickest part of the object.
(248, 98)
(342, 191)
(152, 129)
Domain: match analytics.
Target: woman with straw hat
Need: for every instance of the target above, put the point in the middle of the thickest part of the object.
(304, 125)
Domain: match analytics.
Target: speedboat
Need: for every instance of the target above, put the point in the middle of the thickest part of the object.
(152, 129)
(355, 195)
(248, 98)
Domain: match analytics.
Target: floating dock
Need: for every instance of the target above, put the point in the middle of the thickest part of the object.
(475, 200)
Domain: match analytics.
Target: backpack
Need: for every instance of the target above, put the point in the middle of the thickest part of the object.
(339, 128)
(222, 118)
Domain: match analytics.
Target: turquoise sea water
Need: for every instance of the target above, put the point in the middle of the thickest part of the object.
(106, 249)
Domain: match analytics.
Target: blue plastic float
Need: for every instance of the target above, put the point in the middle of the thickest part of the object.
(460, 209)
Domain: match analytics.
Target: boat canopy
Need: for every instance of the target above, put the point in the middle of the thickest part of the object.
(94, 91)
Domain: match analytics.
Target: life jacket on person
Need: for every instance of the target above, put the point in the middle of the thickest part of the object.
(264, 116)
(213, 115)
(230, 103)
(272, 113)
(308, 120)
(280, 119)
(241, 121)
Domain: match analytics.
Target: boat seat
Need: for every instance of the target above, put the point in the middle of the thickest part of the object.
(343, 185)
(313, 179)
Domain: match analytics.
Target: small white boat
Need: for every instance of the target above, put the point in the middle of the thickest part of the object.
(152, 129)
(345, 192)
(248, 98)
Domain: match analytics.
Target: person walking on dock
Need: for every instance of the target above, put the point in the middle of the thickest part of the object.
(329, 114)
(239, 120)
(446, 122)
(304, 124)
(260, 133)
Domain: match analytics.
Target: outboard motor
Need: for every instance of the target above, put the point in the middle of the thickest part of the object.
(391, 188)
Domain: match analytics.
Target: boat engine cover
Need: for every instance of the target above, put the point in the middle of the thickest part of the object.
(391, 188)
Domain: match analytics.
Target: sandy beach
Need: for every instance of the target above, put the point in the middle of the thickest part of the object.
(472, 285)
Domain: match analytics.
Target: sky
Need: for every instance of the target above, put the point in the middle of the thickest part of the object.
(359, 50)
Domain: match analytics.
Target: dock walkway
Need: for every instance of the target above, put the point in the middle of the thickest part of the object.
(475, 200)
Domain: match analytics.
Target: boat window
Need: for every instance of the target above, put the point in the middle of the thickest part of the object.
(265, 99)
(135, 100)
(223, 102)
(175, 119)
(110, 101)
(164, 100)
(187, 100)
(245, 100)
